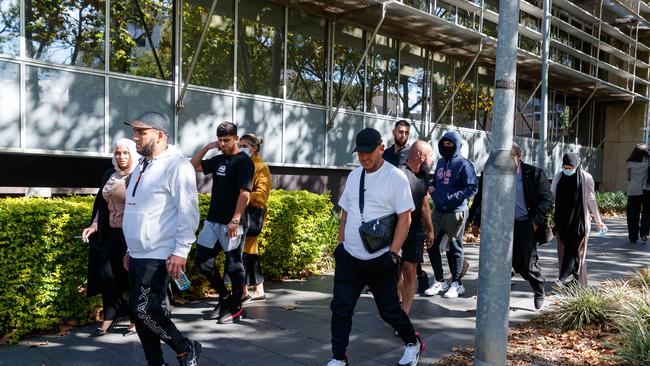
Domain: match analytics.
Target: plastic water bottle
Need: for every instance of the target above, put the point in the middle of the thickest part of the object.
(602, 231)
(182, 282)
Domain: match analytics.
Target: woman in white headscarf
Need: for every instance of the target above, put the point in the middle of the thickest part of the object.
(106, 269)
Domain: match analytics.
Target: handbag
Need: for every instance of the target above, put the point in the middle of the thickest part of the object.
(255, 220)
(544, 233)
(376, 234)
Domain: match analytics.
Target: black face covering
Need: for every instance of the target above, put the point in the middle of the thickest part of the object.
(447, 152)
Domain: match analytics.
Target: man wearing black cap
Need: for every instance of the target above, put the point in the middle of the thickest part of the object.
(161, 215)
(385, 192)
(225, 226)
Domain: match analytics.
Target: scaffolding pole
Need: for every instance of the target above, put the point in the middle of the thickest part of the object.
(495, 257)
(543, 128)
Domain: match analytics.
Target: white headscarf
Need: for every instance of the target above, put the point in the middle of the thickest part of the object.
(135, 157)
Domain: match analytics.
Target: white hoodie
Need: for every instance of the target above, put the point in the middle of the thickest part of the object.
(161, 218)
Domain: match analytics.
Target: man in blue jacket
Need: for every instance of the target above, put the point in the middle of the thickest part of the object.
(454, 182)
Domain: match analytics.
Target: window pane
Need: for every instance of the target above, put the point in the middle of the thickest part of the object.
(485, 102)
(215, 65)
(130, 98)
(9, 27)
(382, 77)
(441, 88)
(341, 138)
(348, 49)
(260, 48)
(304, 135)
(527, 113)
(411, 80)
(10, 97)
(265, 120)
(132, 38)
(306, 58)
(70, 32)
(65, 110)
(465, 99)
(418, 4)
(197, 123)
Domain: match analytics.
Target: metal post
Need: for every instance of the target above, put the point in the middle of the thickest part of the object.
(543, 126)
(498, 202)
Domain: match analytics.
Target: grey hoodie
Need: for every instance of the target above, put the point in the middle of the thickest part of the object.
(162, 215)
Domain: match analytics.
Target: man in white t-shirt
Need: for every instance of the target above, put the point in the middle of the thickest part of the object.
(386, 191)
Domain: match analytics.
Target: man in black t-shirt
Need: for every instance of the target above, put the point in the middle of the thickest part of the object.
(398, 152)
(417, 168)
(225, 227)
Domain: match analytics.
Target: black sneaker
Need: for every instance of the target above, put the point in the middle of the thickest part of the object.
(539, 301)
(232, 316)
(191, 357)
(219, 309)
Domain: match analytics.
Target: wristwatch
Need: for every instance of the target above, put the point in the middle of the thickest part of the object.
(235, 221)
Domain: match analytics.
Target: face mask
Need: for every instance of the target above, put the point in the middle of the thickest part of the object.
(447, 152)
(245, 150)
(568, 172)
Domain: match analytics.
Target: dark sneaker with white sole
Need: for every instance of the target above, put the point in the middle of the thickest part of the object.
(191, 357)
(220, 308)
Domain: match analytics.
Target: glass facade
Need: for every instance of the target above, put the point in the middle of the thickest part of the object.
(275, 71)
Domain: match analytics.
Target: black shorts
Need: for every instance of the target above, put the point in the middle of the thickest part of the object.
(413, 248)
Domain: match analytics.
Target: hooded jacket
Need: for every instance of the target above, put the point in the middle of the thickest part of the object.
(161, 211)
(454, 180)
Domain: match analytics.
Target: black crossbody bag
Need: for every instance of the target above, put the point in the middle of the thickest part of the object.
(377, 233)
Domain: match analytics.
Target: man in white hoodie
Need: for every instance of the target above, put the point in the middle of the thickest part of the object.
(161, 216)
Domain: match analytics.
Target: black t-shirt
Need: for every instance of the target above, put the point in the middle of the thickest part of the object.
(396, 158)
(229, 174)
(419, 186)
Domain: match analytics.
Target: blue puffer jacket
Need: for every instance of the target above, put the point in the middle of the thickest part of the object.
(454, 181)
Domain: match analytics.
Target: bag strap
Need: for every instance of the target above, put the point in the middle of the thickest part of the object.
(361, 191)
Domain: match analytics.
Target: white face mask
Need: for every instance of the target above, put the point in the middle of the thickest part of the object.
(245, 150)
(568, 172)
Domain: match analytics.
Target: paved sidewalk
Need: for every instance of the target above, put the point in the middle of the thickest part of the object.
(275, 335)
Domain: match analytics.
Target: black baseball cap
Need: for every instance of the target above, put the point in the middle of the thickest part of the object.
(153, 120)
(367, 140)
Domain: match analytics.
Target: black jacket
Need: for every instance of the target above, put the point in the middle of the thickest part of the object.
(537, 193)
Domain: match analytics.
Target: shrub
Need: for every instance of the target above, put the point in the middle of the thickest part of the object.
(299, 230)
(42, 266)
(578, 306)
(633, 323)
(611, 202)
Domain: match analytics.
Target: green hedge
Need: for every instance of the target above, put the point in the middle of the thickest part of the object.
(43, 266)
(611, 202)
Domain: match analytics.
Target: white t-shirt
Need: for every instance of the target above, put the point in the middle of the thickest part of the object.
(386, 191)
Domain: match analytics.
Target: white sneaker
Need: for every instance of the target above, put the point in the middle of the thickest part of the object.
(335, 362)
(454, 290)
(412, 353)
(436, 288)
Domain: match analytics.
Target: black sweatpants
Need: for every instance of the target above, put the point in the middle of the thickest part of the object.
(149, 280)
(350, 277)
(234, 267)
(633, 213)
(524, 255)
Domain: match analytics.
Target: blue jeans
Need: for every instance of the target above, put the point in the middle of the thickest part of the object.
(350, 277)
